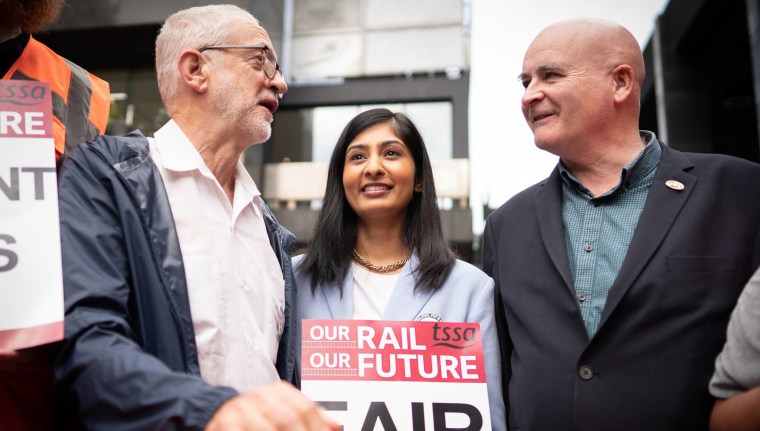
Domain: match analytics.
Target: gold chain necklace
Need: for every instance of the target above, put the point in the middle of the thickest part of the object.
(381, 268)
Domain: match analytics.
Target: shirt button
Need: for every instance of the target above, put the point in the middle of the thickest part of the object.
(589, 247)
(581, 297)
(585, 372)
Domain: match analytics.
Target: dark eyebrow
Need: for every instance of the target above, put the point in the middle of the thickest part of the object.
(350, 146)
(391, 142)
(383, 144)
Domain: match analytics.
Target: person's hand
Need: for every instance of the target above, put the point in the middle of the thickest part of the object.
(276, 407)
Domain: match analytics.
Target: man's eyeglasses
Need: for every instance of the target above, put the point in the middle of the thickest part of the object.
(269, 61)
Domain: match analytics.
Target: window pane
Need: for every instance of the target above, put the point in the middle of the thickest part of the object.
(394, 13)
(433, 119)
(414, 50)
(327, 55)
(321, 15)
(137, 103)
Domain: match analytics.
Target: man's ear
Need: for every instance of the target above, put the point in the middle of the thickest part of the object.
(623, 78)
(193, 70)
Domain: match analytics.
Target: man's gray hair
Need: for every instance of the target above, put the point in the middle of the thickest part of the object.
(192, 28)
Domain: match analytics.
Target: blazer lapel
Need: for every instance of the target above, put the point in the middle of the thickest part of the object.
(549, 214)
(661, 209)
(341, 308)
(405, 302)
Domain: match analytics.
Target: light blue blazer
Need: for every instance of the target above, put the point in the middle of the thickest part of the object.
(466, 296)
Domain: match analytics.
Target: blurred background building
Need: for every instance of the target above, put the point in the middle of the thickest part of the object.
(703, 77)
(340, 57)
(344, 56)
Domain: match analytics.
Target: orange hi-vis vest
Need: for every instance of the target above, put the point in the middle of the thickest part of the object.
(81, 100)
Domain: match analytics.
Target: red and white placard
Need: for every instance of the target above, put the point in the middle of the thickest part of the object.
(396, 375)
(31, 284)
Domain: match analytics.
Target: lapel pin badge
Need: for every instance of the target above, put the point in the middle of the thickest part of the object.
(675, 185)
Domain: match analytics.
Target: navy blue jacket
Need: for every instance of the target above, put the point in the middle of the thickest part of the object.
(129, 359)
(664, 322)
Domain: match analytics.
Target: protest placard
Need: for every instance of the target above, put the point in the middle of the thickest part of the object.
(31, 285)
(394, 375)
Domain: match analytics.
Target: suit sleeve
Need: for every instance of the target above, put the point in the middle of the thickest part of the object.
(505, 344)
(105, 378)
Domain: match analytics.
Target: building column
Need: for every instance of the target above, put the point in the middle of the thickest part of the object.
(753, 27)
(683, 106)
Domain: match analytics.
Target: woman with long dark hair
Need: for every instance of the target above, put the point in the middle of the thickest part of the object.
(378, 251)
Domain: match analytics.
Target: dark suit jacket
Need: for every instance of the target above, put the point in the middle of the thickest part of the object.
(648, 366)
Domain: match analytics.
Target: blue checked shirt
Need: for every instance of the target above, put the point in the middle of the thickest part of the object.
(599, 230)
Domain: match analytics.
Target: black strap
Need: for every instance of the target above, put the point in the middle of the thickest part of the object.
(79, 128)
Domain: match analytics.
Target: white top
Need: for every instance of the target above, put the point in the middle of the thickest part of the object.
(234, 282)
(372, 292)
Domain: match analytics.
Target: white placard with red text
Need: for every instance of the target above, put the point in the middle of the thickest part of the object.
(393, 375)
(31, 284)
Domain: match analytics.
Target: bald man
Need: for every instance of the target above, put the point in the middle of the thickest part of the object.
(616, 275)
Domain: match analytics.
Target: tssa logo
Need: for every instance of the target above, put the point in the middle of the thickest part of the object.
(454, 337)
(25, 93)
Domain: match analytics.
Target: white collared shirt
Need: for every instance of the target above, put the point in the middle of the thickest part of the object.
(234, 281)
